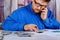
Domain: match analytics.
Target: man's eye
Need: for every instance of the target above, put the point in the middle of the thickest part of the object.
(37, 5)
(45, 6)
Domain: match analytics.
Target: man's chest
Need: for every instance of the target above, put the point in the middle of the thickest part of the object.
(34, 19)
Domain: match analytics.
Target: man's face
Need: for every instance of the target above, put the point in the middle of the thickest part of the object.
(39, 5)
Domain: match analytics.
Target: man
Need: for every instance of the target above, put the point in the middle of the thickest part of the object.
(33, 17)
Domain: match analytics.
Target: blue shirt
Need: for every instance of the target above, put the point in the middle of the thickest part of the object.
(26, 15)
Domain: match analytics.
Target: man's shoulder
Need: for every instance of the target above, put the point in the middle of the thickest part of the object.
(21, 9)
(50, 11)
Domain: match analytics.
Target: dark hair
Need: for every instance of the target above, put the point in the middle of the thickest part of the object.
(47, 0)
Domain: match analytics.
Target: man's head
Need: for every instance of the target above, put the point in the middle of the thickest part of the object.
(39, 5)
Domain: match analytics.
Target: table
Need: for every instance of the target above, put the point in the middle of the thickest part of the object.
(29, 35)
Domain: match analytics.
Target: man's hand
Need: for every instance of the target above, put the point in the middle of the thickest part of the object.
(44, 14)
(31, 27)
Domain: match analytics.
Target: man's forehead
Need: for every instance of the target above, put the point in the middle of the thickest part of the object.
(40, 0)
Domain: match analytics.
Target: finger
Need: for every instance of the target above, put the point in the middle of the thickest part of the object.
(30, 29)
(45, 9)
(35, 29)
(35, 26)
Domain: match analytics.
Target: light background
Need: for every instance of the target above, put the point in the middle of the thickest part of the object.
(7, 6)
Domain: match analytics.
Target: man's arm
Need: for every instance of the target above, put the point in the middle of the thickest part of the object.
(50, 22)
(14, 22)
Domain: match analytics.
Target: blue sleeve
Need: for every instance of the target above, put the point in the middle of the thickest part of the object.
(14, 22)
(50, 22)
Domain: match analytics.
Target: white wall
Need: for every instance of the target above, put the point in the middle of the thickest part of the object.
(6, 7)
(14, 5)
(58, 9)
